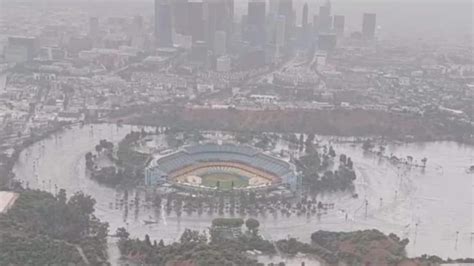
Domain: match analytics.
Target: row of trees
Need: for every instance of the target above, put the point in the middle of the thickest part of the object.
(369, 147)
(241, 204)
(222, 247)
(197, 248)
(316, 169)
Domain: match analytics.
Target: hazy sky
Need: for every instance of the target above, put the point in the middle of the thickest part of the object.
(442, 19)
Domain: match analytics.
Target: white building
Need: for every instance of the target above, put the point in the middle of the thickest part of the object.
(220, 43)
(224, 64)
(205, 88)
(264, 98)
(183, 41)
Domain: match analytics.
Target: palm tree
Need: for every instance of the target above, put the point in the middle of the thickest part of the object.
(424, 160)
(252, 225)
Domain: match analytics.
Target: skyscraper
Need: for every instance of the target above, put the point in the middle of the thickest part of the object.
(215, 18)
(327, 41)
(368, 25)
(315, 23)
(339, 24)
(180, 16)
(220, 43)
(285, 9)
(196, 20)
(218, 16)
(21, 49)
(304, 17)
(163, 25)
(280, 38)
(273, 6)
(256, 8)
(256, 22)
(325, 21)
(230, 13)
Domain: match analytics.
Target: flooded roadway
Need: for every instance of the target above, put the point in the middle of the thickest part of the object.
(433, 208)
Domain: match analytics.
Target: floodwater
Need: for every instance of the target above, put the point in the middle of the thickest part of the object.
(297, 260)
(433, 208)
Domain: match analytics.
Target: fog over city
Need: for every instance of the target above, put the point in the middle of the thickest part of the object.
(237, 132)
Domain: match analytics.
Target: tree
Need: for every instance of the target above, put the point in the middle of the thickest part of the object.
(62, 197)
(252, 225)
(310, 139)
(122, 233)
(221, 204)
(343, 159)
(367, 145)
(191, 236)
(252, 197)
(147, 240)
(332, 153)
(381, 149)
(424, 160)
(350, 164)
(82, 203)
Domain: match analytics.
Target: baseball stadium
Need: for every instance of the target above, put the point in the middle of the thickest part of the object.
(220, 166)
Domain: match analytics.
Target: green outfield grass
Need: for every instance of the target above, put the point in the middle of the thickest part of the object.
(225, 180)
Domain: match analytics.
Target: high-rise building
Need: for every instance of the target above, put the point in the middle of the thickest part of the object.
(21, 49)
(136, 34)
(216, 19)
(230, 15)
(180, 16)
(315, 23)
(229, 19)
(256, 12)
(256, 22)
(339, 24)
(368, 25)
(273, 6)
(218, 16)
(163, 25)
(196, 20)
(285, 9)
(199, 52)
(280, 38)
(304, 17)
(220, 43)
(327, 41)
(325, 20)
